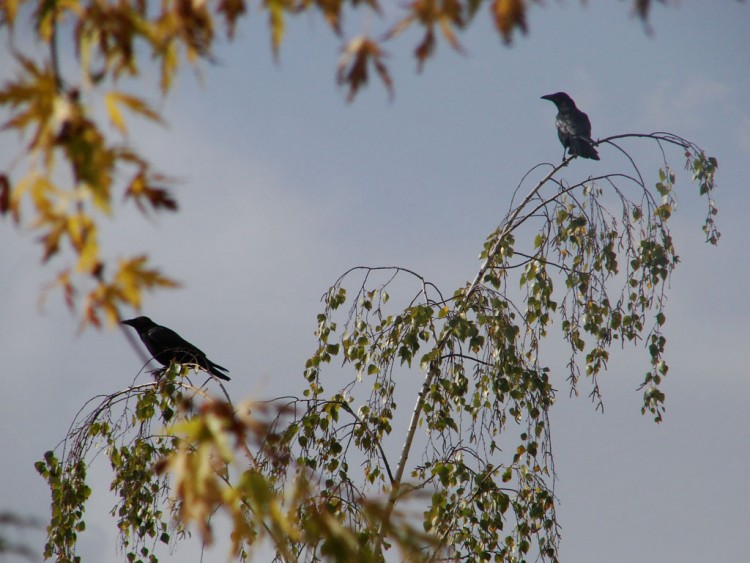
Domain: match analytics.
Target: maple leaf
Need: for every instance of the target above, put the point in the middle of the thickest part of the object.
(509, 14)
(353, 65)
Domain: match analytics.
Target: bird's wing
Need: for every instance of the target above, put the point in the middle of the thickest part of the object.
(565, 130)
(583, 124)
(574, 124)
(166, 340)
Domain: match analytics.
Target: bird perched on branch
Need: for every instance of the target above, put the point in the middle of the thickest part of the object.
(166, 346)
(573, 127)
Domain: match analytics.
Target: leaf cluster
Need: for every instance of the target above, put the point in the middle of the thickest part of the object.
(600, 263)
(316, 475)
(68, 174)
(119, 426)
(64, 203)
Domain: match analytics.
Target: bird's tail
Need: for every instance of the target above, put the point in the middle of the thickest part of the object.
(217, 371)
(584, 148)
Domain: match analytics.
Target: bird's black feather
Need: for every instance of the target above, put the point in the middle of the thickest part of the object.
(573, 127)
(166, 346)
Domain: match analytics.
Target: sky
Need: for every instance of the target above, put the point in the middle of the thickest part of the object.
(283, 186)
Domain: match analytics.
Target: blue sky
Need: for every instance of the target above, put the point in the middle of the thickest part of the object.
(284, 186)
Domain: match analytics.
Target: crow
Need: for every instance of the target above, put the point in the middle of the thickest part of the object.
(573, 127)
(166, 346)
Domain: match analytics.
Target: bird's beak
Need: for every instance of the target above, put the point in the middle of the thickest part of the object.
(128, 322)
(546, 97)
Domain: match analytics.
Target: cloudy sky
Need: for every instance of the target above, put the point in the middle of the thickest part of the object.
(283, 186)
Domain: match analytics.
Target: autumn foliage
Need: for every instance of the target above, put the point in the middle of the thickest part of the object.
(310, 474)
(585, 261)
(72, 169)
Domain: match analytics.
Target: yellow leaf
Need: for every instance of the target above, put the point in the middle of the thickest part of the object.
(509, 14)
(85, 47)
(133, 277)
(276, 19)
(42, 191)
(88, 260)
(169, 64)
(138, 105)
(9, 9)
(114, 98)
(110, 102)
(52, 239)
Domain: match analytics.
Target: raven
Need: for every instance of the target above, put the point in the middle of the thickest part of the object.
(166, 346)
(573, 127)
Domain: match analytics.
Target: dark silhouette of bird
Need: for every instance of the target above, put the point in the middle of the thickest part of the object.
(166, 346)
(573, 127)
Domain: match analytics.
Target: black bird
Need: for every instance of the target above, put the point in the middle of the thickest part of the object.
(573, 127)
(166, 346)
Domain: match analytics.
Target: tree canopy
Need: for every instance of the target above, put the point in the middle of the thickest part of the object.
(69, 172)
(584, 260)
(310, 474)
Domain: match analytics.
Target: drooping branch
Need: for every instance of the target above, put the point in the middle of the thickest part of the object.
(433, 372)
(484, 396)
(500, 244)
